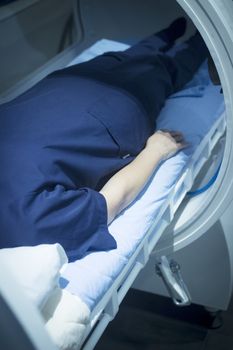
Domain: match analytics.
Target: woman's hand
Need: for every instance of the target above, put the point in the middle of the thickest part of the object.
(125, 185)
(166, 143)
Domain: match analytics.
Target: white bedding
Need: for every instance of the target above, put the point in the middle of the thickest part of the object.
(66, 318)
(36, 269)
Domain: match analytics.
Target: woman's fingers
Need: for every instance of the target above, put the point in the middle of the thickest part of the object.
(171, 132)
(176, 135)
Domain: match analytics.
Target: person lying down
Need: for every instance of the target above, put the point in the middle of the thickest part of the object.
(78, 147)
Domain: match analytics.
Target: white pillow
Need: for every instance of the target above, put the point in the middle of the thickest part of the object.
(37, 269)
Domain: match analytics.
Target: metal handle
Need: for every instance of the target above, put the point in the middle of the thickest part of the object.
(170, 273)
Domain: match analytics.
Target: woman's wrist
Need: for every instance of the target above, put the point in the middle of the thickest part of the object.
(154, 151)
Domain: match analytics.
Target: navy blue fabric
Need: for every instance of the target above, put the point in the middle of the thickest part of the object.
(64, 138)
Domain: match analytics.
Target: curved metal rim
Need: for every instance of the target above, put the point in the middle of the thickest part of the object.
(207, 18)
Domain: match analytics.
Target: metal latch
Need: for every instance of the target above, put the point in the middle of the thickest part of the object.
(170, 273)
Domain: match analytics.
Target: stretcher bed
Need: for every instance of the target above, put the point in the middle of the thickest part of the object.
(92, 291)
(101, 279)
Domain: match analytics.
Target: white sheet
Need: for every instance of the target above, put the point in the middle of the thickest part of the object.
(37, 269)
(66, 318)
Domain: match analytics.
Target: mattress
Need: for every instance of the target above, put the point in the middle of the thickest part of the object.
(193, 111)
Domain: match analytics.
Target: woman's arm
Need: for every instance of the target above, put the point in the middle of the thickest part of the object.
(125, 185)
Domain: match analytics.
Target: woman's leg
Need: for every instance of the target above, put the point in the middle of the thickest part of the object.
(151, 45)
(184, 60)
(160, 41)
(150, 77)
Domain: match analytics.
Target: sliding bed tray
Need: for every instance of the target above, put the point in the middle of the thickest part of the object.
(102, 279)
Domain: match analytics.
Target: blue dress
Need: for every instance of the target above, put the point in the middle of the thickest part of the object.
(63, 139)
